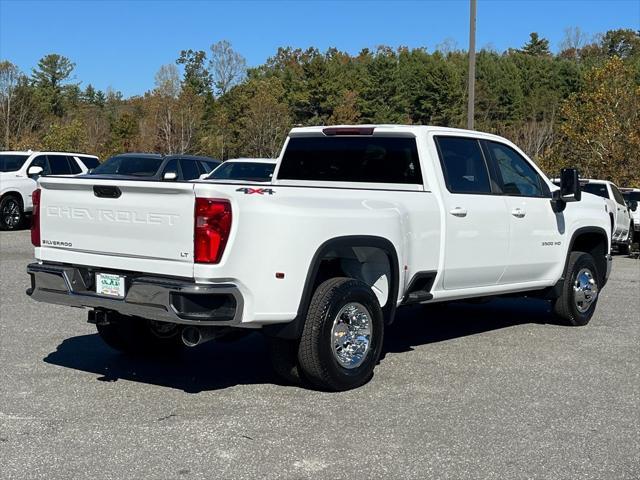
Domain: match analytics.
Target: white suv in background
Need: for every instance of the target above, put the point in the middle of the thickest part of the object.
(621, 229)
(19, 172)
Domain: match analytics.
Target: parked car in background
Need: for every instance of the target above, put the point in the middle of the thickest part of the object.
(155, 167)
(632, 197)
(19, 172)
(244, 170)
(616, 207)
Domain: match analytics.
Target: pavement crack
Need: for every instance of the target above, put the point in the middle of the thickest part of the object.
(161, 419)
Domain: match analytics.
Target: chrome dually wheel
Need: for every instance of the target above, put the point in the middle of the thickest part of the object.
(351, 335)
(585, 290)
(579, 294)
(342, 338)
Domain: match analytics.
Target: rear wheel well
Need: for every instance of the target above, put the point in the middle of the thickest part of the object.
(595, 244)
(13, 194)
(370, 265)
(372, 260)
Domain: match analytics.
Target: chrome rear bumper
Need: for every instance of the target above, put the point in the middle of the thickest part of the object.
(155, 298)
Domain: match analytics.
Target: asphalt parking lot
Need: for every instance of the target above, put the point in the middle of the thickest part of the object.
(492, 391)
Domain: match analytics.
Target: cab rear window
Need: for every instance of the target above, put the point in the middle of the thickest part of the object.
(365, 159)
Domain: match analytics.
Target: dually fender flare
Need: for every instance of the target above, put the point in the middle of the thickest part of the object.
(576, 234)
(293, 329)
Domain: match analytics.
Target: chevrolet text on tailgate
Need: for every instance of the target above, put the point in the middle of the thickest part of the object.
(357, 221)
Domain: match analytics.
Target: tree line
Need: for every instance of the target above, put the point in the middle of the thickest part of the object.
(579, 107)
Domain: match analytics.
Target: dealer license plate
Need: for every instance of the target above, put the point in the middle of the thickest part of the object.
(110, 285)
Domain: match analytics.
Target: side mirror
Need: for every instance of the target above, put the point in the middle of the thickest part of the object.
(633, 205)
(570, 190)
(34, 171)
(203, 176)
(170, 176)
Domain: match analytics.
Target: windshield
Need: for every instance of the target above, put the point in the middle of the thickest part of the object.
(631, 196)
(252, 172)
(598, 189)
(137, 166)
(12, 163)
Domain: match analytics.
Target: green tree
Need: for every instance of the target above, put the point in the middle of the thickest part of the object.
(622, 43)
(65, 137)
(196, 76)
(600, 130)
(536, 46)
(266, 120)
(49, 78)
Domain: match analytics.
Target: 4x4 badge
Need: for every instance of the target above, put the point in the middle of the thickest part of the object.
(259, 191)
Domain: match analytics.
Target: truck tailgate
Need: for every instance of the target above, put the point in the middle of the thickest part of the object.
(143, 226)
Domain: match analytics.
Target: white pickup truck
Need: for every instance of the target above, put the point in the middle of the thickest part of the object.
(358, 220)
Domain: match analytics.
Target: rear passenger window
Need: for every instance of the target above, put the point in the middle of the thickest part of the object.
(59, 165)
(366, 159)
(518, 177)
(189, 169)
(73, 165)
(465, 170)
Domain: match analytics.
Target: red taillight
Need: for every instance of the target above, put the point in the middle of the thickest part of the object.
(211, 229)
(35, 218)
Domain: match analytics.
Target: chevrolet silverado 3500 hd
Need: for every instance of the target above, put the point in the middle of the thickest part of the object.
(357, 221)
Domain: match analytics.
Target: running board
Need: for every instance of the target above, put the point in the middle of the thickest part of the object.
(418, 296)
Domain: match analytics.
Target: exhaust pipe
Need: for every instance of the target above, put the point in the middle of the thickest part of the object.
(193, 336)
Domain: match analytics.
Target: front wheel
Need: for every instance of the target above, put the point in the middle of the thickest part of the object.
(11, 213)
(576, 304)
(342, 337)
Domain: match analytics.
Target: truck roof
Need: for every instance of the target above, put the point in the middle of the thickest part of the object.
(388, 128)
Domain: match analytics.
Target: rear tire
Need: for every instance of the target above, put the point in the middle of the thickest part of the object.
(342, 337)
(576, 304)
(11, 213)
(139, 336)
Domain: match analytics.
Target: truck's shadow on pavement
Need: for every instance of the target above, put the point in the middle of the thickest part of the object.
(420, 325)
(214, 366)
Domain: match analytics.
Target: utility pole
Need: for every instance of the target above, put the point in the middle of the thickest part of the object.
(472, 64)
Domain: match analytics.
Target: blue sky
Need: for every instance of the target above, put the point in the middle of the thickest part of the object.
(121, 44)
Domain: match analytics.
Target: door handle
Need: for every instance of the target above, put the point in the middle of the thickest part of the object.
(458, 212)
(518, 213)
